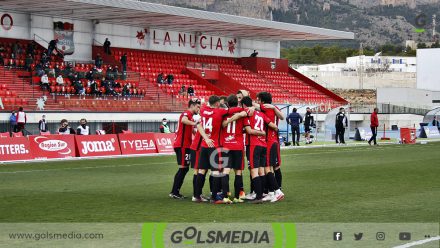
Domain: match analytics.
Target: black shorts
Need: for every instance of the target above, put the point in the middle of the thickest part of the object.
(273, 155)
(195, 158)
(235, 159)
(211, 158)
(307, 129)
(183, 156)
(257, 156)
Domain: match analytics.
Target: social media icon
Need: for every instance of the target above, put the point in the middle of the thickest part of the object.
(380, 236)
(358, 236)
(337, 236)
(405, 236)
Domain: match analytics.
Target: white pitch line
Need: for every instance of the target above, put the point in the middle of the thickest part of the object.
(82, 168)
(420, 242)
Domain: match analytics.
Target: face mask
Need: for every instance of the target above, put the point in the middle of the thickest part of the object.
(83, 125)
(164, 122)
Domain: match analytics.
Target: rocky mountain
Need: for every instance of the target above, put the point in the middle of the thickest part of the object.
(374, 22)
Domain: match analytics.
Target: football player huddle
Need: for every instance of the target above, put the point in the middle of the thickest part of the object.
(216, 137)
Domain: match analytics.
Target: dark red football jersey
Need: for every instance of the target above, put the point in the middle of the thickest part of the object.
(258, 122)
(211, 120)
(272, 135)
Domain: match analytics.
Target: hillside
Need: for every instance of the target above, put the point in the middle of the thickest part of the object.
(373, 22)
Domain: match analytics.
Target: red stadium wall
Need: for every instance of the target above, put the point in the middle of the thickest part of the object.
(212, 75)
(264, 64)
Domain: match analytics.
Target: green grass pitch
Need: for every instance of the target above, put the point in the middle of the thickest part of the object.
(390, 183)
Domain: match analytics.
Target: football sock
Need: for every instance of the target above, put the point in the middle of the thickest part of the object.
(175, 182)
(270, 178)
(194, 184)
(252, 184)
(181, 178)
(278, 177)
(238, 185)
(225, 185)
(258, 187)
(264, 184)
(215, 186)
(199, 185)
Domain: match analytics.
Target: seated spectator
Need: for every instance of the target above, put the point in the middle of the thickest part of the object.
(160, 79)
(254, 54)
(115, 72)
(182, 90)
(116, 84)
(31, 48)
(2, 62)
(57, 70)
(79, 88)
(65, 128)
(39, 71)
(191, 91)
(60, 80)
(89, 75)
(170, 79)
(95, 89)
(44, 59)
(126, 90)
(44, 82)
(109, 73)
(109, 90)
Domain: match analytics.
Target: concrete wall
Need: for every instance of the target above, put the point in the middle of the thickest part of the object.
(350, 80)
(25, 26)
(408, 97)
(428, 73)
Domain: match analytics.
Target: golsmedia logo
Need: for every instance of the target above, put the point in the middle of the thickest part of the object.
(193, 236)
(420, 23)
(161, 235)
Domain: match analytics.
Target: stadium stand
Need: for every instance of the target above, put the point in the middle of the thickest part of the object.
(21, 88)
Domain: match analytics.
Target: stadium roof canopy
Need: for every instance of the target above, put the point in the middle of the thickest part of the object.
(143, 14)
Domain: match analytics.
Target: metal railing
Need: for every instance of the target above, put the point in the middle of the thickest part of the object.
(387, 108)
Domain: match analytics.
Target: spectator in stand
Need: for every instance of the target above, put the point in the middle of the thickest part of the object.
(109, 73)
(115, 72)
(98, 61)
(42, 125)
(60, 80)
(170, 79)
(107, 46)
(65, 128)
(182, 90)
(52, 46)
(15, 50)
(116, 84)
(109, 89)
(254, 54)
(57, 70)
(294, 119)
(435, 122)
(124, 62)
(44, 82)
(160, 79)
(83, 129)
(89, 75)
(2, 62)
(126, 91)
(164, 128)
(79, 88)
(28, 62)
(21, 119)
(95, 89)
(13, 122)
(44, 59)
(191, 91)
(374, 124)
(31, 48)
